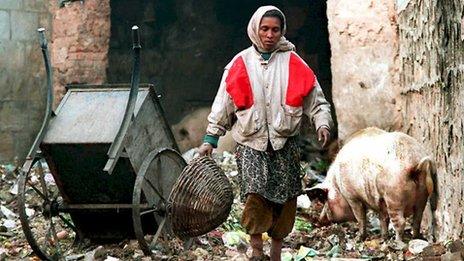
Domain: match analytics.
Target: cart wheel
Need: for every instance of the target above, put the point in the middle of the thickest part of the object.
(50, 233)
(154, 182)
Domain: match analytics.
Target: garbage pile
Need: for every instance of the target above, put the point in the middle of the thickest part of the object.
(229, 241)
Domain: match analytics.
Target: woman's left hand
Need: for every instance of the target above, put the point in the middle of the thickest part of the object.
(323, 134)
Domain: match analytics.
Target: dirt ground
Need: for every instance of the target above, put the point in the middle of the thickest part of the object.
(227, 242)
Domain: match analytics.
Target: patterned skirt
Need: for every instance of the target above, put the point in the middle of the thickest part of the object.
(275, 175)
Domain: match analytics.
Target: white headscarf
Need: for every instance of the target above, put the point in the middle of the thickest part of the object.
(253, 28)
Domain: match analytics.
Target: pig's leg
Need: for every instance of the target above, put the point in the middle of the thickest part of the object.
(397, 218)
(417, 219)
(359, 211)
(384, 220)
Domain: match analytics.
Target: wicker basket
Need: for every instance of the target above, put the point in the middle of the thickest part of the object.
(201, 199)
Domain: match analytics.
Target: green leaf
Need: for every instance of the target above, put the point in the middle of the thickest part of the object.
(286, 256)
(303, 225)
(334, 251)
(304, 252)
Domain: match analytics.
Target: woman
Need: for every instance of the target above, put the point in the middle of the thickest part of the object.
(264, 92)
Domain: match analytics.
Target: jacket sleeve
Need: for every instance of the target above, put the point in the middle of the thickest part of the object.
(317, 108)
(221, 117)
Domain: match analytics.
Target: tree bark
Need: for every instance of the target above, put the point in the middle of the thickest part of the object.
(431, 77)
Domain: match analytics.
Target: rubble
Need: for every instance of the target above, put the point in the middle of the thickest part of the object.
(416, 246)
(229, 241)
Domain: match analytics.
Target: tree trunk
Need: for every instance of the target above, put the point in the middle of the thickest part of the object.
(431, 61)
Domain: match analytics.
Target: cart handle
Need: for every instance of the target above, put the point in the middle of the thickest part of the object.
(49, 110)
(116, 147)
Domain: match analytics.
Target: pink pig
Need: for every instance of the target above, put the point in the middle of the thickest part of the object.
(388, 172)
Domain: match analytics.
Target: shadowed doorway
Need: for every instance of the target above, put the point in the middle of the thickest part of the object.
(185, 45)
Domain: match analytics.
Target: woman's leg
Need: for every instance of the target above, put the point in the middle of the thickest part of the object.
(257, 245)
(276, 249)
(256, 219)
(283, 220)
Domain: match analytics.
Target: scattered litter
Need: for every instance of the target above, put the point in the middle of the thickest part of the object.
(373, 244)
(303, 202)
(200, 252)
(7, 213)
(29, 212)
(227, 242)
(75, 257)
(286, 256)
(9, 171)
(9, 223)
(14, 189)
(333, 251)
(304, 252)
(49, 180)
(189, 155)
(234, 238)
(334, 240)
(3, 253)
(374, 222)
(416, 246)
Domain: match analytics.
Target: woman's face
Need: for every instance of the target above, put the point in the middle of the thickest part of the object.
(270, 32)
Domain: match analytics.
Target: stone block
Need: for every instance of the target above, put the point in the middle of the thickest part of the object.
(13, 69)
(36, 113)
(15, 56)
(6, 146)
(34, 5)
(4, 25)
(5, 84)
(31, 83)
(45, 21)
(14, 115)
(10, 4)
(24, 25)
(22, 142)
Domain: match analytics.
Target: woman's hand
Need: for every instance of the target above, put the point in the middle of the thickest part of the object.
(323, 134)
(205, 149)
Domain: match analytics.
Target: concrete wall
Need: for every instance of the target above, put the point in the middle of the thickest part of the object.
(364, 42)
(22, 74)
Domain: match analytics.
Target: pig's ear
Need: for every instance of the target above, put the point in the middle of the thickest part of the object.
(317, 192)
(183, 132)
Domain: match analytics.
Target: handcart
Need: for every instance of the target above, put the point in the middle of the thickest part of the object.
(112, 162)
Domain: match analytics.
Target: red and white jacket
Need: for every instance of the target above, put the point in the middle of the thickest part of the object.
(263, 101)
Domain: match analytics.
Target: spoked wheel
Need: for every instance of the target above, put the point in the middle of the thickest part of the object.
(50, 233)
(153, 184)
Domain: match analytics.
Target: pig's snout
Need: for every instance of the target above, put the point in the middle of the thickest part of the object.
(324, 217)
(324, 220)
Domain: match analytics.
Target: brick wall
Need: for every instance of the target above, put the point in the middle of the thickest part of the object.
(81, 33)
